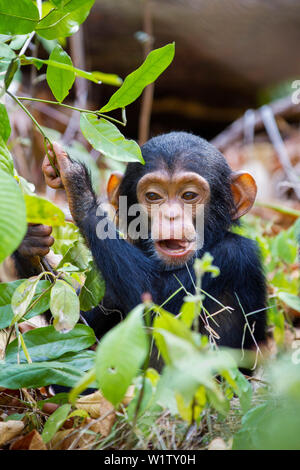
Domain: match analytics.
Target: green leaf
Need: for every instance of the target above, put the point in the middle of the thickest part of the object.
(39, 374)
(55, 421)
(92, 291)
(13, 224)
(6, 56)
(59, 3)
(120, 354)
(156, 62)
(6, 161)
(63, 22)
(6, 293)
(64, 306)
(42, 211)
(291, 300)
(241, 387)
(167, 321)
(58, 80)
(93, 77)
(17, 42)
(47, 344)
(18, 16)
(107, 78)
(23, 296)
(64, 235)
(5, 129)
(188, 313)
(82, 360)
(78, 255)
(42, 293)
(107, 139)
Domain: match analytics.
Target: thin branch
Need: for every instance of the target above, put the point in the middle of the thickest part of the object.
(80, 110)
(283, 107)
(279, 146)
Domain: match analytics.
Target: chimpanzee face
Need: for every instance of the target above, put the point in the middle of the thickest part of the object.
(173, 201)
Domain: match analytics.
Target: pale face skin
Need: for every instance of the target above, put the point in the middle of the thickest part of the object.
(172, 202)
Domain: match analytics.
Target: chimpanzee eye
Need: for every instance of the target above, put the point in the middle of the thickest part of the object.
(152, 196)
(189, 196)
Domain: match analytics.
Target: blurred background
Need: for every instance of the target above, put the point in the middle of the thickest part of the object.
(232, 57)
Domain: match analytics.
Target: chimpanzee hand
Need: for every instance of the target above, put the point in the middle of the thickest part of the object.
(73, 177)
(37, 241)
(35, 244)
(61, 162)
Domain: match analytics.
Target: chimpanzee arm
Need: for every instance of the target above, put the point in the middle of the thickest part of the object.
(126, 270)
(240, 285)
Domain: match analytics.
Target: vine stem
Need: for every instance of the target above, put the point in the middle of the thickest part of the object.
(74, 108)
(46, 139)
(17, 100)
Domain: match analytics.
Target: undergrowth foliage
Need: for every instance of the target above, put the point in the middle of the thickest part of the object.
(200, 383)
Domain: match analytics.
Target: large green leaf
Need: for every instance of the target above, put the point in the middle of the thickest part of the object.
(64, 306)
(38, 374)
(13, 224)
(92, 291)
(64, 22)
(156, 62)
(18, 16)
(6, 161)
(42, 211)
(83, 360)
(60, 81)
(47, 344)
(107, 139)
(120, 354)
(4, 124)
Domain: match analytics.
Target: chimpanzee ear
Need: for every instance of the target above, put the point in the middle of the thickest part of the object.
(244, 191)
(113, 186)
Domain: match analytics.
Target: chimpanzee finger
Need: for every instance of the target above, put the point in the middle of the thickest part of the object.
(61, 156)
(42, 242)
(38, 230)
(39, 251)
(27, 250)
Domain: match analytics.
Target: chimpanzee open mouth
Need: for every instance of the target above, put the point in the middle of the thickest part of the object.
(175, 248)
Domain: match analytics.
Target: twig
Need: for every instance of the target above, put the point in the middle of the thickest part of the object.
(75, 108)
(276, 140)
(283, 107)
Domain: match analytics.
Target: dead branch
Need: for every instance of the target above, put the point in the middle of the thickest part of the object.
(283, 107)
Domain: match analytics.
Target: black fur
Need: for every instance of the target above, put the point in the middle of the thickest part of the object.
(130, 270)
